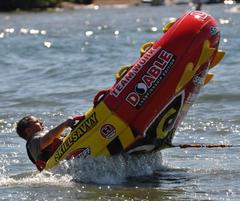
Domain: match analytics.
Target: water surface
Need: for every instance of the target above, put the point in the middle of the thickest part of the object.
(52, 65)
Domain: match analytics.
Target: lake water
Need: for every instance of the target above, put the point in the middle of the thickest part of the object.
(53, 63)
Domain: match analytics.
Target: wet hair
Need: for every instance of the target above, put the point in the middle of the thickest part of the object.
(22, 125)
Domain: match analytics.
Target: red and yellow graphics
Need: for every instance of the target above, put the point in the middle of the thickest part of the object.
(143, 109)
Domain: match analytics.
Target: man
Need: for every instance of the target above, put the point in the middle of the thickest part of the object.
(41, 143)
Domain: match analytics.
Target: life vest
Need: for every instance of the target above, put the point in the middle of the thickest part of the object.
(45, 154)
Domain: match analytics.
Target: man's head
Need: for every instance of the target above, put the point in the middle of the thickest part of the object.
(28, 126)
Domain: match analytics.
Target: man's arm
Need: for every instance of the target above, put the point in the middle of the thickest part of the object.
(48, 138)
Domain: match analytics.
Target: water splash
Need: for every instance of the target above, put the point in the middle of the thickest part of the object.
(35, 178)
(110, 170)
(99, 170)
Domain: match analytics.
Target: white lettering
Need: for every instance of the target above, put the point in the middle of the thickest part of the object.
(118, 88)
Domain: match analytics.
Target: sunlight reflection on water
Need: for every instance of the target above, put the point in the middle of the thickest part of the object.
(52, 65)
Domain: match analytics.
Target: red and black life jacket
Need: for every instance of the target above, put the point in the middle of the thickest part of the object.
(45, 154)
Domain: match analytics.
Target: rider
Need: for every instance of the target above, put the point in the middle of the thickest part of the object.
(41, 143)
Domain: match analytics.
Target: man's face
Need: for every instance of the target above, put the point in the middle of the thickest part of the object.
(35, 125)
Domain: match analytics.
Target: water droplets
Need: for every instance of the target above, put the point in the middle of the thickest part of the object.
(89, 33)
(47, 44)
(9, 30)
(224, 21)
(139, 29)
(154, 29)
(116, 32)
(6, 32)
(37, 32)
(43, 32)
(24, 30)
(32, 31)
(229, 2)
(114, 170)
(2, 35)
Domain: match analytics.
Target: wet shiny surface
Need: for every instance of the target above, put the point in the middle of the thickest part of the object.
(52, 65)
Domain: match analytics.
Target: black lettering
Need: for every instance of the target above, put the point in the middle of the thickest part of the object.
(83, 128)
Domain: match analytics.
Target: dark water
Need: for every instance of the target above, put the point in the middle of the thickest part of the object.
(52, 65)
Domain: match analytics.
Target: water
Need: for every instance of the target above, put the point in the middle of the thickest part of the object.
(53, 63)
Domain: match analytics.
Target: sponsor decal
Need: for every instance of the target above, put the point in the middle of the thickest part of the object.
(108, 131)
(120, 86)
(165, 122)
(214, 30)
(76, 134)
(79, 153)
(151, 79)
(84, 152)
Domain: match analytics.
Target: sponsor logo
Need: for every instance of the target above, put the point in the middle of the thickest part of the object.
(79, 153)
(108, 131)
(165, 122)
(80, 130)
(214, 30)
(120, 86)
(151, 79)
(84, 152)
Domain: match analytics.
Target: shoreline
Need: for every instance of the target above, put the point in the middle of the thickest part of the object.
(117, 2)
(75, 6)
(68, 5)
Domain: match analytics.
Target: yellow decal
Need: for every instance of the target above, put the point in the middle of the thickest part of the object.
(191, 70)
(83, 128)
(87, 134)
(161, 130)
